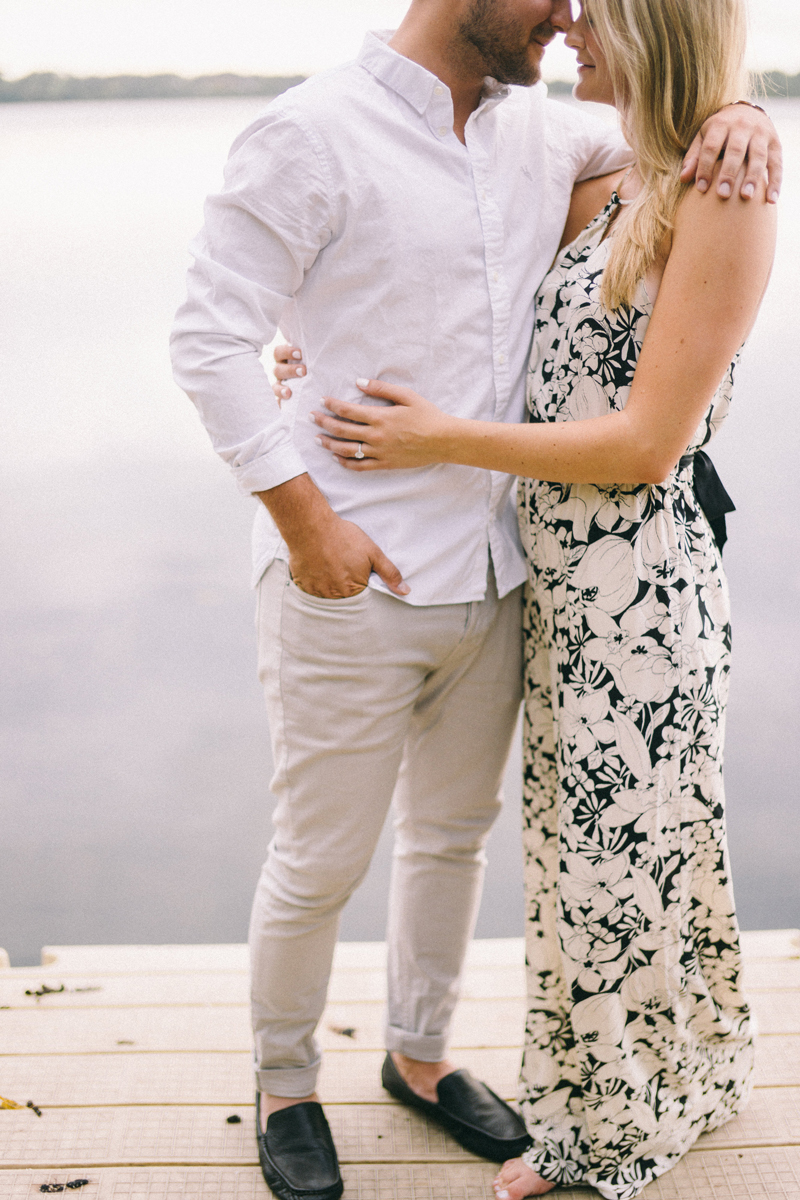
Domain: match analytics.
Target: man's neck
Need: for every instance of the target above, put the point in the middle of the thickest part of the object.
(431, 39)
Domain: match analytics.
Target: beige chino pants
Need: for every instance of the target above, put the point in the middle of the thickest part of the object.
(369, 698)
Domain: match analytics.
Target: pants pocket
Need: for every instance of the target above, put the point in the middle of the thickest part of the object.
(323, 603)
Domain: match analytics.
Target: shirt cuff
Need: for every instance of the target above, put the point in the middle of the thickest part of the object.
(268, 472)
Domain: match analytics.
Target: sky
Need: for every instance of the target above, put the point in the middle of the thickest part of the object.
(263, 37)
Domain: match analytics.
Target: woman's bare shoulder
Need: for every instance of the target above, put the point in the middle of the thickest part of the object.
(588, 199)
(701, 212)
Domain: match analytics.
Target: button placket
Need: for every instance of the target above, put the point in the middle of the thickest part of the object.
(440, 111)
(494, 251)
(494, 246)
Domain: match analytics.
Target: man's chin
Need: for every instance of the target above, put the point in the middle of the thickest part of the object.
(524, 74)
(528, 79)
(534, 72)
(535, 56)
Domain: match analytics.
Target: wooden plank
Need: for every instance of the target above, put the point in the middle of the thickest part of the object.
(771, 975)
(93, 990)
(777, 1061)
(114, 991)
(772, 1118)
(776, 1012)
(110, 1079)
(462, 1182)
(483, 952)
(86, 1030)
(480, 981)
(92, 1137)
(769, 1174)
(95, 1137)
(496, 952)
(347, 1077)
(107, 959)
(18, 989)
(87, 990)
(199, 1027)
(79, 1030)
(760, 944)
(771, 943)
(709, 1175)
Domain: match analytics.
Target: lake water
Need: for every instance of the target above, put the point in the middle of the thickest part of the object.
(135, 762)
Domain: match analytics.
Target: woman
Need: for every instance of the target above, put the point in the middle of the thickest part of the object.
(638, 1038)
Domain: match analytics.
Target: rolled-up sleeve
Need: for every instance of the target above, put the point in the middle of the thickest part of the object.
(602, 149)
(262, 232)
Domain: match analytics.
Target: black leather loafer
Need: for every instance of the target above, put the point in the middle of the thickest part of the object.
(297, 1154)
(470, 1112)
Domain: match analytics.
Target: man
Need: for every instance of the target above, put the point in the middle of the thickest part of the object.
(395, 216)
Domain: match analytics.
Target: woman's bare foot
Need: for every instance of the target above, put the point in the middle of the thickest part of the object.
(517, 1180)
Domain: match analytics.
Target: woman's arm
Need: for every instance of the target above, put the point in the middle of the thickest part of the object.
(713, 283)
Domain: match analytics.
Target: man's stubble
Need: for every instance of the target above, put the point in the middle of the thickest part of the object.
(488, 33)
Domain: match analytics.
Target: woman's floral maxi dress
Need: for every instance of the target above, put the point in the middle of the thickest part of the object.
(638, 1037)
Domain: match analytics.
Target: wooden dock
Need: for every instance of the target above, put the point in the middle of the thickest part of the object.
(138, 1058)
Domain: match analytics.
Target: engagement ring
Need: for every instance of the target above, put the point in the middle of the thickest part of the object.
(360, 451)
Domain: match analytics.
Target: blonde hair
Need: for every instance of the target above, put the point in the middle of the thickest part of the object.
(673, 63)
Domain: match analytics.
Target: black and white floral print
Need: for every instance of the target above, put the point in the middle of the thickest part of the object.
(638, 1037)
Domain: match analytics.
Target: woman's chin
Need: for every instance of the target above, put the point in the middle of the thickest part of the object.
(583, 90)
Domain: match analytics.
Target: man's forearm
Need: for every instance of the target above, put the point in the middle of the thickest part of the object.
(298, 508)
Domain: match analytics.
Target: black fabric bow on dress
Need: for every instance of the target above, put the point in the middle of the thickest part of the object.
(710, 494)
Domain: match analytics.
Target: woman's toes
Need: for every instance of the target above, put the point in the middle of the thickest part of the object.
(517, 1180)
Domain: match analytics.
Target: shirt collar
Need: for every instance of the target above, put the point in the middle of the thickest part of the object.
(408, 78)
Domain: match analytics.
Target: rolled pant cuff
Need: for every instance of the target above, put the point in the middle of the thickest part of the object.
(290, 1083)
(423, 1047)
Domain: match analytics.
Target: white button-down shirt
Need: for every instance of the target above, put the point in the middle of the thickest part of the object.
(353, 217)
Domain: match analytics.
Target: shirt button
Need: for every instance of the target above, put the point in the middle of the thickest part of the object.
(501, 358)
(483, 195)
(438, 91)
(443, 130)
(495, 276)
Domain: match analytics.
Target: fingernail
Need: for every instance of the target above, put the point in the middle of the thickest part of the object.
(312, 418)
(318, 441)
(702, 185)
(773, 197)
(502, 1195)
(300, 371)
(362, 383)
(747, 190)
(285, 393)
(724, 190)
(404, 589)
(297, 354)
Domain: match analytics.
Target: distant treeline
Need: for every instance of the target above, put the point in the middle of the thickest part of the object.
(46, 85)
(773, 85)
(777, 84)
